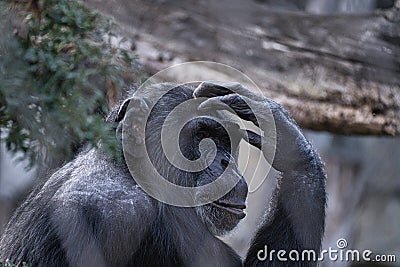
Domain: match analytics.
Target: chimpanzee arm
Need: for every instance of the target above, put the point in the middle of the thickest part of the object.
(298, 220)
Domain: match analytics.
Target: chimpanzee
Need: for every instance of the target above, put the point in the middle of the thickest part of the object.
(94, 211)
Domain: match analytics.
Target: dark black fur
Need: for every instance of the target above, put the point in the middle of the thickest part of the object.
(296, 219)
(92, 213)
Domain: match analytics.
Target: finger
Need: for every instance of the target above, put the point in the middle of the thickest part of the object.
(252, 138)
(234, 103)
(267, 148)
(213, 103)
(215, 88)
(211, 89)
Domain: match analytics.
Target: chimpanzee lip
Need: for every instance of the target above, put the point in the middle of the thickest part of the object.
(235, 208)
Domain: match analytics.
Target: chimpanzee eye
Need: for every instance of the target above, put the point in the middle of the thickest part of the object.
(202, 134)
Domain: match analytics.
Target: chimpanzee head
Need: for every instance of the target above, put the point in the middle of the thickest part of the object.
(192, 149)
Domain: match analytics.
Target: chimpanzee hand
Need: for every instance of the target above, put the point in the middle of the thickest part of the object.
(292, 148)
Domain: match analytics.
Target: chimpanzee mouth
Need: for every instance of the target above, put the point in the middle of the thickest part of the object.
(234, 208)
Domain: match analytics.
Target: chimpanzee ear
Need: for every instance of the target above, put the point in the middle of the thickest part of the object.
(118, 112)
(122, 110)
(119, 119)
(132, 114)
